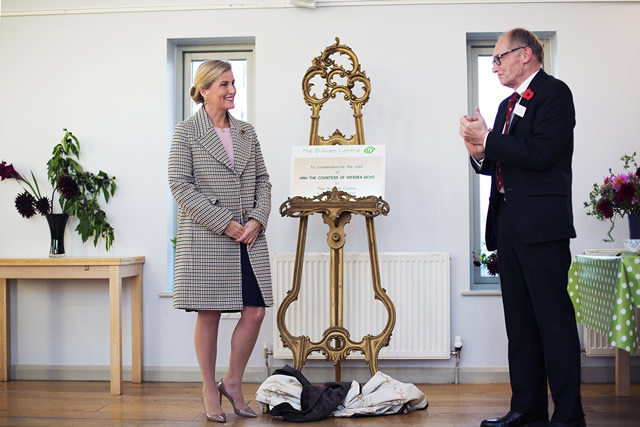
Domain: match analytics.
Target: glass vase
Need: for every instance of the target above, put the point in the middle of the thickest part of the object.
(57, 225)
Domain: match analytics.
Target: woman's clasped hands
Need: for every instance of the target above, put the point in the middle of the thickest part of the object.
(246, 234)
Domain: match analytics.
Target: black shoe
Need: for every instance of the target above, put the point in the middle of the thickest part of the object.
(513, 419)
(581, 423)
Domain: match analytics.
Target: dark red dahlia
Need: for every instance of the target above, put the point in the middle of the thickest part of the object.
(638, 173)
(605, 207)
(68, 187)
(492, 265)
(8, 171)
(25, 205)
(625, 192)
(43, 206)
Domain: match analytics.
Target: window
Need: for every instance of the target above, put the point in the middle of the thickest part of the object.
(242, 67)
(486, 92)
(239, 53)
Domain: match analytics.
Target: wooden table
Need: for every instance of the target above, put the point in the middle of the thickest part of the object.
(605, 291)
(113, 269)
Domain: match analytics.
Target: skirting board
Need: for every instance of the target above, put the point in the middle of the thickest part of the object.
(315, 374)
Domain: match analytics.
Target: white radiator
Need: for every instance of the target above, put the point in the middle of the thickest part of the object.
(596, 344)
(417, 283)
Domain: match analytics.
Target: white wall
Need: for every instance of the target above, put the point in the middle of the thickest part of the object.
(105, 77)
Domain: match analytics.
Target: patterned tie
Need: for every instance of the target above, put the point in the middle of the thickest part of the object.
(512, 102)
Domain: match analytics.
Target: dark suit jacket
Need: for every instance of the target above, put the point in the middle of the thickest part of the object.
(536, 164)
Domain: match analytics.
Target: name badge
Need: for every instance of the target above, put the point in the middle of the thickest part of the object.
(519, 110)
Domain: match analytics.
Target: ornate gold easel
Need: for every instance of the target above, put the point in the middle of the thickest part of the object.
(336, 208)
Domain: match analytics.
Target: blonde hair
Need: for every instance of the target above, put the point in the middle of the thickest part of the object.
(207, 73)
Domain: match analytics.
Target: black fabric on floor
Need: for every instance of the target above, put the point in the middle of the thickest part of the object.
(317, 402)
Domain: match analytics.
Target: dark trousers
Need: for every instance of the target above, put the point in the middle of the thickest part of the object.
(541, 323)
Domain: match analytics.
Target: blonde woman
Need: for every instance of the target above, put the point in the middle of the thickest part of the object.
(219, 180)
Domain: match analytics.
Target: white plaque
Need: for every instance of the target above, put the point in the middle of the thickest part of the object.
(355, 169)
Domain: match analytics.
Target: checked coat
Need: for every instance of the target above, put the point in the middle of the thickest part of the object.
(210, 193)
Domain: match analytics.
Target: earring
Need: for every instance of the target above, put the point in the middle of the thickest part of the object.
(206, 101)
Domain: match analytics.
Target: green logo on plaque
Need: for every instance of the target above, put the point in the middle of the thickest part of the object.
(369, 150)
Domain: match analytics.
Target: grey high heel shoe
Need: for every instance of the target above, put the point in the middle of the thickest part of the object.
(244, 412)
(216, 418)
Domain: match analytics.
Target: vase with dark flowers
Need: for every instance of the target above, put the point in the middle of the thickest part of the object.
(488, 260)
(618, 195)
(78, 193)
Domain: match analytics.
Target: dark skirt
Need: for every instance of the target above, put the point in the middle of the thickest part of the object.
(251, 295)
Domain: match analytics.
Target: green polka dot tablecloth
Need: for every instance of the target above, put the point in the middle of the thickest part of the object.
(604, 291)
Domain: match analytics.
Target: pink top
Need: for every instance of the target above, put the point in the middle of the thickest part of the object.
(227, 142)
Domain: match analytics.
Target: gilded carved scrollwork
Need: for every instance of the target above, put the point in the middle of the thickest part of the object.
(326, 68)
(334, 203)
(336, 208)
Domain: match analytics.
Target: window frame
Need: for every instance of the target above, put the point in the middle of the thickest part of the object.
(483, 44)
(184, 52)
(218, 52)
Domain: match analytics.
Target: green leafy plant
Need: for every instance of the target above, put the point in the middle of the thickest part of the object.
(618, 195)
(78, 191)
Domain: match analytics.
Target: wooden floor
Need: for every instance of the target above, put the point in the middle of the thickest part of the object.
(68, 403)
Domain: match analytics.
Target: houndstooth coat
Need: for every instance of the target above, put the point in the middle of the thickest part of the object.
(210, 193)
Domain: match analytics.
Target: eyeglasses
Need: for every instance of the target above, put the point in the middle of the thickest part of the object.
(498, 58)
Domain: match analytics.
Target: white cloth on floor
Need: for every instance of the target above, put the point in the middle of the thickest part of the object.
(381, 395)
(279, 389)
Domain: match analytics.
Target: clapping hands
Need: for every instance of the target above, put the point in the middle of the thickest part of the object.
(473, 131)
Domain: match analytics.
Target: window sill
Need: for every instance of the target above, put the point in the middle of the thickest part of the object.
(481, 293)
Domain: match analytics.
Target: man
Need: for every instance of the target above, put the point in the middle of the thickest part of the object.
(530, 222)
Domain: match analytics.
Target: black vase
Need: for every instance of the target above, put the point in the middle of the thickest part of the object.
(634, 226)
(57, 224)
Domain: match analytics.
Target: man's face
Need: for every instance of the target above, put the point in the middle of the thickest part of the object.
(511, 68)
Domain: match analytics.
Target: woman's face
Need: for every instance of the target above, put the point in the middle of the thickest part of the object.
(221, 93)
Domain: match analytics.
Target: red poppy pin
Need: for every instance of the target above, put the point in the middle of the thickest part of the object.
(243, 132)
(528, 94)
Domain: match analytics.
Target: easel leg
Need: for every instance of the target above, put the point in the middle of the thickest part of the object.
(295, 344)
(380, 294)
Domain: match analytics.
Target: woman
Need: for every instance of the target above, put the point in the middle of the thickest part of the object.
(219, 180)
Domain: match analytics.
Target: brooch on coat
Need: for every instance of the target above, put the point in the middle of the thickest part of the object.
(528, 94)
(520, 109)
